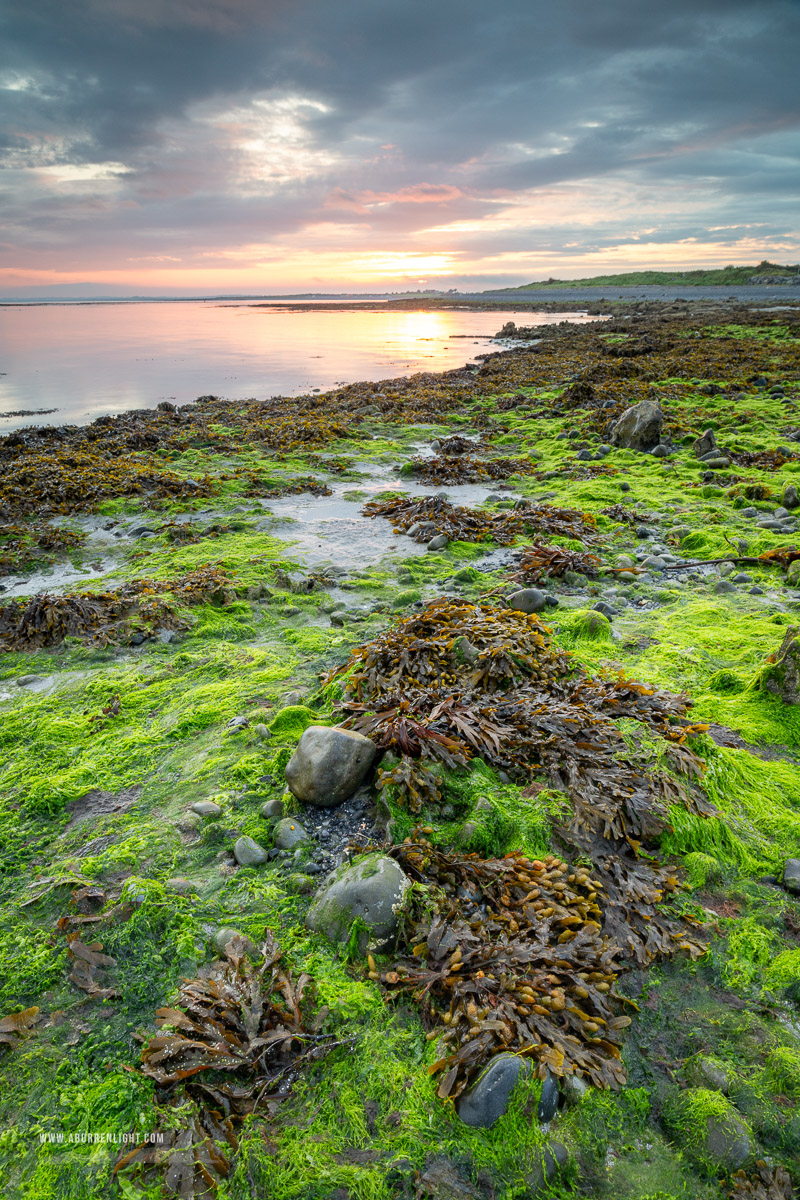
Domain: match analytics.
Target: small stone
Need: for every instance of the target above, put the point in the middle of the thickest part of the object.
(26, 680)
(624, 487)
(463, 651)
(642, 532)
(555, 1156)
(705, 444)
(289, 833)
(790, 498)
(181, 885)
(574, 1089)
(791, 875)
(708, 1073)
(548, 1100)
(724, 585)
(584, 456)
(328, 765)
(229, 934)
(755, 591)
(528, 600)
(262, 731)
(206, 808)
(749, 511)
(655, 561)
(238, 723)
(551, 601)
(660, 451)
(741, 577)
(137, 638)
(440, 542)
(604, 609)
(625, 560)
(519, 505)
(272, 808)
(488, 1099)
(248, 853)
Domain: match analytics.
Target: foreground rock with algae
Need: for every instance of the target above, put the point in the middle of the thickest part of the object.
(409, 806)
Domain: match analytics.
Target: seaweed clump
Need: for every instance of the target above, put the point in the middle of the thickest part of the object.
(22, 547)
(542, 562)
(421, 519)
(468, 469)
(101, 618)
(231, 1047)
(460, 679)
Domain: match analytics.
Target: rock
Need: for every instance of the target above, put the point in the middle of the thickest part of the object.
(328, 765)
(639, 427)
(272, 808)
(528, 600)
(655, 561)
(793, 571)
(790, 498)
(749, 511)
(717, 463)
(708, 1073)
(463, 651)
(584, 456)
(181, 885)
(26, 680)
(548, 1100)
(604, 609)
(137, 638)
(741, 577)
(521, 504)
(238, 723)
(227, 934)
(625, 560)
(791, 875)
(782, 677)
(624, 487)
(488, 1099)
(661, 451)
(371, 890)
(262, 731)
(440, 542)
(705, 444)
(206, 808)
(780, 514)
(248, 853)
(442, 1180)
(755, 591)
(555, 1157)
(595, 626)
(574, 1089)
(727, 1141)
(288, 833)
(724, 585)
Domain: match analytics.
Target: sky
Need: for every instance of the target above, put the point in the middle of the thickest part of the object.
(217, 146)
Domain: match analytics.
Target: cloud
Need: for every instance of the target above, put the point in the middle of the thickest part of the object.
(164, 131)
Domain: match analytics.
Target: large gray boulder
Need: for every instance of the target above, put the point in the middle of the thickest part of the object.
(371, 890)
(639, 427)
(328, 765)
(488, 1099)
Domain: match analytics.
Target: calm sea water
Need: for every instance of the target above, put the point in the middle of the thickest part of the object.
(85, 360)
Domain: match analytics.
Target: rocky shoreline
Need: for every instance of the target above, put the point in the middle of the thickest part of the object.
(400, 786)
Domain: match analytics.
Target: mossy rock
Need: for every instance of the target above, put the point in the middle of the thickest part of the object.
(292, 722)
(726, 683)
(593, 627)
(707, 1126)
(701, 868)
(783, 1068)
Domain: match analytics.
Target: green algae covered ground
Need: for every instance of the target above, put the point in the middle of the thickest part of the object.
(108, 736)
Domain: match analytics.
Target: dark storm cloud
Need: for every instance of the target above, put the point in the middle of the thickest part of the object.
(475, 103)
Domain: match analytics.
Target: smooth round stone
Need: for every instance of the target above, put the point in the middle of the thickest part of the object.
(206, 808)
(440, 542)
(289, 833)
(262, 731)
(742, 577)
(488, 1100)
(248, 853)
(528, 600)
(548, 1100)
(272, 808)
(749, 512)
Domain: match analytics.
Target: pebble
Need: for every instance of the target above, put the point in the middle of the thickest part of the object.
(26, 680)
(248, 853)
(724, 585)
(742, 577)
(288, 834)
(605, 609)
(624, 487)
(262, 731)
(548, 1100)
(756, 591)
(749, 512)
(206, 808)
(528, 600)
(440, 542)
(272, 808)
(238, 723)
